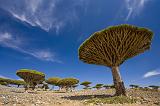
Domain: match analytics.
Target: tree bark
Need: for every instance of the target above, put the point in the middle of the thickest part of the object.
(118, 83)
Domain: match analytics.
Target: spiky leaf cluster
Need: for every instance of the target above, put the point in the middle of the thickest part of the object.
(112, 46)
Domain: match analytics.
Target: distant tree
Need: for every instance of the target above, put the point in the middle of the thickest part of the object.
(5, 81)
(31, 77)
(134, 86)
(146, 88)
(18, 82)
(98, 86)
(154, 87)
(53, 81)
(113, 46)
(108, 86)
(68, 83)
(86, 84)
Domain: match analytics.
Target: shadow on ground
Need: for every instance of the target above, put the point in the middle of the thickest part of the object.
(84, 97)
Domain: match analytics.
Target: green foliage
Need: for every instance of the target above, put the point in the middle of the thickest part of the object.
(98, 86)
(134, 86)
(31, 77)
(112, 100)
(6, 81)
(109, 47)
(86, 84)
(3, 83)
(53, 81)
(154, 87)
(68, 83)
(108, 86)
(17, 82)
(34, 72)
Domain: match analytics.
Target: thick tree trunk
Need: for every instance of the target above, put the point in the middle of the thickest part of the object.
(118, 83)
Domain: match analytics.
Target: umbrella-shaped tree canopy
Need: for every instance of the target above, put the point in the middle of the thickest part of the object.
(68, 82)
(53, 80)
(114, 45)
(98, 86)
(31, 77)
(86, 84)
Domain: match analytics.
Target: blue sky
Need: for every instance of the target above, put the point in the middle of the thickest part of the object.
(45, 36)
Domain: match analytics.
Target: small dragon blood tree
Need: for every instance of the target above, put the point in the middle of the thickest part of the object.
(86, 84)
(134, 86)
(31, 77)
(98, 86)
(112, 46)
(154, 87)
(68, 83)
(53, 81)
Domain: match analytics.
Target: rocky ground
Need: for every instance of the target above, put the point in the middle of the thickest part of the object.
(16, 97)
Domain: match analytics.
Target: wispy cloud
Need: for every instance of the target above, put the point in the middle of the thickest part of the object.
(134, 7)
(14, 42)
(46, 14)
(1, 76)
(151, 73)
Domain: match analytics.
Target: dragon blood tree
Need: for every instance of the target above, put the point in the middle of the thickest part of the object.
(53, 81)
(112, 46)
(108, 86)
(86, 84)
(31, 77)
(154, 87)
(134, 86)
(68, 83)
(18, 83)
(98, 86)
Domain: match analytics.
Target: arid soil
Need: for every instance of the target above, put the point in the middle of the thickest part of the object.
(10, 96)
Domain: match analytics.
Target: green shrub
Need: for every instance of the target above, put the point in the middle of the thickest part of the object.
(112, 100)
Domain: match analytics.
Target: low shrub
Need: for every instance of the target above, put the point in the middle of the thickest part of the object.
(112, 100)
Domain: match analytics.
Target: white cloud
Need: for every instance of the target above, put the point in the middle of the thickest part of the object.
(1, 76)
(14, 42)
(151, 73)
(44, 55)
(134, 7)
(7, 40)
(46, 14)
